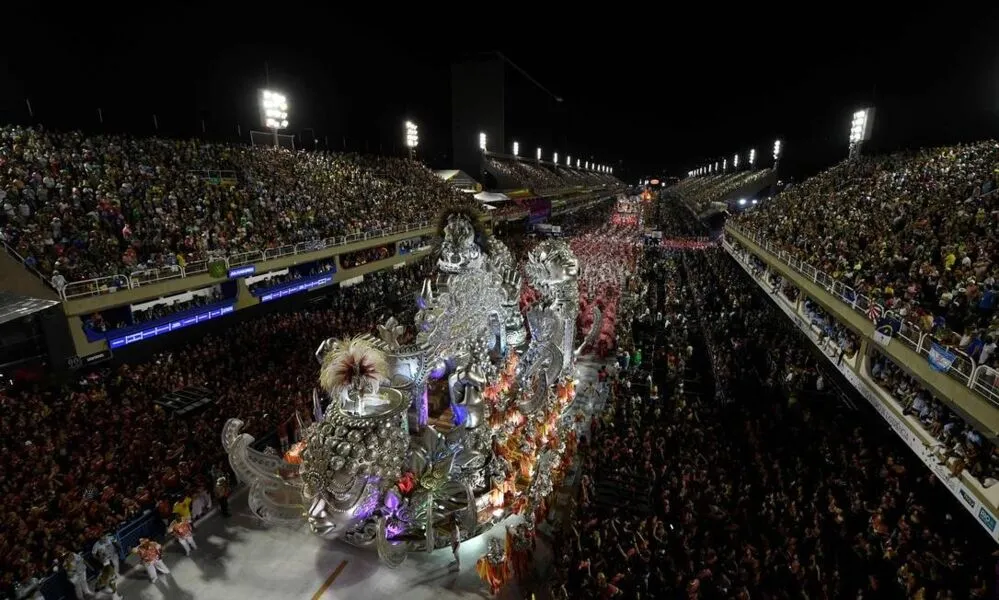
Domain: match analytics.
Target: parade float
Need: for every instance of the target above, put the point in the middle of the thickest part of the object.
(378, 469)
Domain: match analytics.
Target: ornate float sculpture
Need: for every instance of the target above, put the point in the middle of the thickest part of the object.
(374, 471)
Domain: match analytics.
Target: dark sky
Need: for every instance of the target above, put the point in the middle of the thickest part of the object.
(650, 93)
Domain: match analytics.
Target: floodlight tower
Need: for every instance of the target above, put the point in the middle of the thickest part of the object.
(539, 153)
(777, 150)
(275, 109)
(516, 148)
(482, 141)
(724, 164)
(752, 158)
(735, 162)
(412, 137)
(860, 130)
(555, 158)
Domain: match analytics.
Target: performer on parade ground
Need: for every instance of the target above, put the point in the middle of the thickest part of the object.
(76, 572)
(520, 545)
(105, 550)
(492, 566)
(455, 543)
(108, 581)
(151, 555)
(222, 492)
(182, 529)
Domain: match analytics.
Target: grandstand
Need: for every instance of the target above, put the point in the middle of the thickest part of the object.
(886, 262)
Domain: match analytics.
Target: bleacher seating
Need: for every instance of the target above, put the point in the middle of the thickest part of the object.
(80, 207)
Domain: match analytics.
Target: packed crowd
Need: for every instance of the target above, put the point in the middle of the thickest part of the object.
(913, 231)
(762, 496)
(91, 206)
(295, 273)
(700, 192)
(544, 179)
(80, 459)
(958, 445)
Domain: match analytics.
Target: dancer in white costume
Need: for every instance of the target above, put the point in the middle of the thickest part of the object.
(105, 550)
(76, 572)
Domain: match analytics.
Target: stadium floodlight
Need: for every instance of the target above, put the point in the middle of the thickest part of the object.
(275, 109)
(577, 163)
(724, 164)
(776, 150)
(587, 165)
(716, 166)
(612, 170)
(752, 157)
(742, 201)
(568, 161)
(412, 137)
(860, 129)
(516, 149)
(735, 161)
(539, 153)
(482, 141)
(555, 158)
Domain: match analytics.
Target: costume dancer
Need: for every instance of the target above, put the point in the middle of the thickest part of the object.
(76, 572)
(492, 566)
(181, 529)
(108, 581)
(151, 555)
(105, 550)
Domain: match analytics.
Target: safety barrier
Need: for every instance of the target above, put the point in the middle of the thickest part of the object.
(963, 369)
(112, 283)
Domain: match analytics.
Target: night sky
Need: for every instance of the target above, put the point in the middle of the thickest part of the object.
(651, 94)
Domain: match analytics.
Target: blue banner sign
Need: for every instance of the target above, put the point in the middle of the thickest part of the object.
(242, 271)
(940, 358)
(295, 287)
(186, 321)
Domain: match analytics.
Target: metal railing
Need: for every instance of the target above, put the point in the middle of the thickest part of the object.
(111, 283)
(963, 369)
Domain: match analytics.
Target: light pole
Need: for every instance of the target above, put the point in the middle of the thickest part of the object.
(735, 162)
(539, 153)
(482, 141)
(516, 148)
(752, 157)
(860, 130)
(275, 107)
(412, 137)
(555, 158)
(776, 154)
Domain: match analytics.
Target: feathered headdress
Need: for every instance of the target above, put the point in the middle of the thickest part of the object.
(353, 364)
(468, 209)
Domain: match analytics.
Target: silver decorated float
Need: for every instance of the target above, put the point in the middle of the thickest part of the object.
(375, 470)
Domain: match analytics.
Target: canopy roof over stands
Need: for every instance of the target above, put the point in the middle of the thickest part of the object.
(491, 197)
(15, 306)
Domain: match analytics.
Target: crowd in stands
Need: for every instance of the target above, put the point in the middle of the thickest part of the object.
(763, 495)
(959, 446)
(79, 459)
(360, 258)
(294, 273)
(839, 335)
(91, 206)
(914, 231)
(700, 192)
(545, 178)
(413, 244)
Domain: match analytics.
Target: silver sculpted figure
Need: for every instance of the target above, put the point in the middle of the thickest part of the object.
(373, 470)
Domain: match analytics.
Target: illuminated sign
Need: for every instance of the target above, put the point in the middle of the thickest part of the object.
(296, 287)
(151, 332)
(242, 271)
